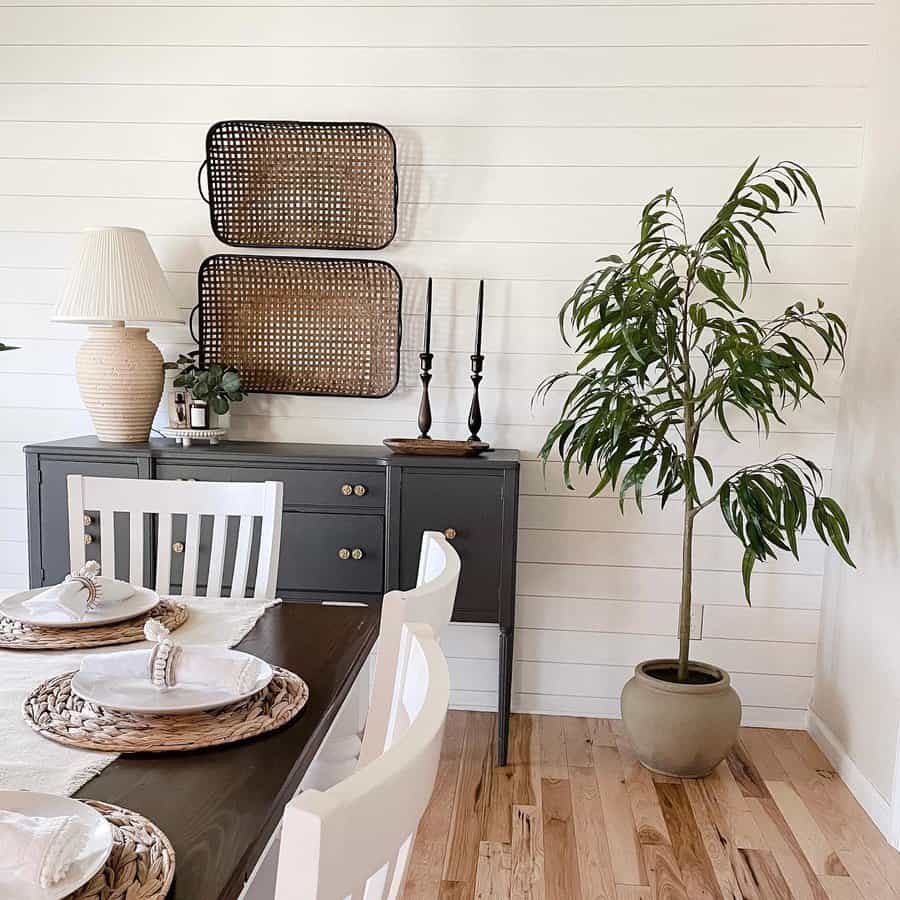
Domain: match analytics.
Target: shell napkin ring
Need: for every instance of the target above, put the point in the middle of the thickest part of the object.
(86, 577)
(164, 656)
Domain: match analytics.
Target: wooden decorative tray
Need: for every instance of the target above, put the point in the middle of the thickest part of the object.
(302, 325)
(434, 447)
(319, 185)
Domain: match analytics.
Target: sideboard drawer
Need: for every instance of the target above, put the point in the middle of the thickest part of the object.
(341, 488)
(311, 553)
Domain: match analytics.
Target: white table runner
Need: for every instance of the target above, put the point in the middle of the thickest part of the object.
(31, 762)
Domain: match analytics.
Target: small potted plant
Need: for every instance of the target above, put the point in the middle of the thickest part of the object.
(218, 386)
(668, 350)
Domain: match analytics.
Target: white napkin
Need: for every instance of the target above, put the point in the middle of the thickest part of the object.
(41, 850)
(69, 600)
(194, 666)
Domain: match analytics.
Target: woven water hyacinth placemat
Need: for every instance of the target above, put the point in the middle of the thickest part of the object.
(56, 712)
(141, 865)
(19, 636)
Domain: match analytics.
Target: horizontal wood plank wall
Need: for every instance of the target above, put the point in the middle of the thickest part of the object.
(529, 134)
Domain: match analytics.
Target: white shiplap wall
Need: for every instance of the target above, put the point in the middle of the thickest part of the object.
(529, 135)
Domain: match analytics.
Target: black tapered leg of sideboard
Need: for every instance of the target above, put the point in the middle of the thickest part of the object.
(505, 694)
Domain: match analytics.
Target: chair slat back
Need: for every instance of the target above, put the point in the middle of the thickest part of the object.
(430, 602)
(353, 840)
(162, 500)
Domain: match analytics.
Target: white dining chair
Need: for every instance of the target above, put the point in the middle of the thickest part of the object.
(192, 499)
(352, 842)
(430, 601)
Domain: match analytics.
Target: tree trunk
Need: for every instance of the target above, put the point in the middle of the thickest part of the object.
(684, 616)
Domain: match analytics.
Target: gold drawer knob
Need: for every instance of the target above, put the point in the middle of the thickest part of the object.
(449, 533)
(346, 489)
(88, 539)
(178, 547)
(88, 520)
(356, 553)
(343, 553)
(360, 490)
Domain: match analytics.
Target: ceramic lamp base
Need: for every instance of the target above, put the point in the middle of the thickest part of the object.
(120, 377)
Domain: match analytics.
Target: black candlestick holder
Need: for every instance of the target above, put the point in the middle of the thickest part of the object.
(425, 403)
(475, 408)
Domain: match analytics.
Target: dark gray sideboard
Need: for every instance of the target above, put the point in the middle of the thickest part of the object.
(335, 497)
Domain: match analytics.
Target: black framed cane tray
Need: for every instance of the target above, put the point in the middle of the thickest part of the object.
(292, 325)
(313, 185)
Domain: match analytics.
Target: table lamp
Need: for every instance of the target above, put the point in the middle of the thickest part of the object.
(117, 279)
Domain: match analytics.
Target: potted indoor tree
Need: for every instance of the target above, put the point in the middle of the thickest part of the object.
(667, 351)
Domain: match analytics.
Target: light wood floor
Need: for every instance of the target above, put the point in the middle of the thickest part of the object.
(575, 817)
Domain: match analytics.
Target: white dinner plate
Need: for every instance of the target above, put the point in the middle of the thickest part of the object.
(140, 602)
(88, 863)
(138, 695)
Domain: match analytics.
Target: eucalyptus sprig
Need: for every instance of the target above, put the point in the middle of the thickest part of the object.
(667, 347)
(219, 386)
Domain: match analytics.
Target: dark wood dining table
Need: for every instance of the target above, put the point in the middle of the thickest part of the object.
(219, 806)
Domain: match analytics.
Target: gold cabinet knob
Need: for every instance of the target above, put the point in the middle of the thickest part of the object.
(360, 490)
(343, 553)
(178, 547)
(88, 539)
(88, 520)
(356, 553)
(346, 489)
(449, 533)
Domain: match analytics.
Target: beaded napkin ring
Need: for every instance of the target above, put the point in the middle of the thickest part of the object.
(86, 576)
(163, 657)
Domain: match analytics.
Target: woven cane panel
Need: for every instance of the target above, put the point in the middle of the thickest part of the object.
(302, 184)
(302, 326)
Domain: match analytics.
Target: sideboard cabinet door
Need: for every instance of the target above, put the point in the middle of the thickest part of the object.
(54, 517)
(469, 509)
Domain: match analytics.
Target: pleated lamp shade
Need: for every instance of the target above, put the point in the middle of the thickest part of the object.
(117, 278)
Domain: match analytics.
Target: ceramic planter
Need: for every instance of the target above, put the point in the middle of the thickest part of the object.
(679, 729)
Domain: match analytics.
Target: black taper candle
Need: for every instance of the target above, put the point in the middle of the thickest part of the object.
(425, 359)
(477, 364)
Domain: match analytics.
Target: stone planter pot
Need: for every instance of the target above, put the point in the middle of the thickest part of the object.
(677, 729)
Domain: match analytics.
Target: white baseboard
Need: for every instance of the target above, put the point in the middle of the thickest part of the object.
(877, 808)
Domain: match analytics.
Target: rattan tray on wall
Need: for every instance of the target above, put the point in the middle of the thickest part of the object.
(302, 325)
(316, 185)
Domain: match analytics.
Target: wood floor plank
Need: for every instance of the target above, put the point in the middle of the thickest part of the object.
(527, 854)
(745, 772)
(493, 877)
(633, 892)
(594, 861)
(742, 826)
(792, 861)
(761, 877)
(498, 816)
(812, 786)
(687, 844)
(810, 751)
(426, 864)
(867, 878)
(454, 890)
(648, 817)
(579, 740)
(840, 887)
(664, 874)
(604, 736)
(553, 747)
(756, 744)
(816, 848)
(472, 794)
(561, 876)
(524, 739)
(716, 835)
(621, 831)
